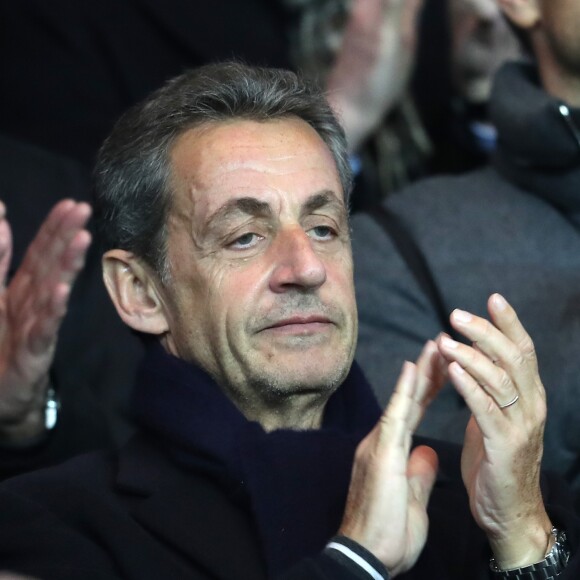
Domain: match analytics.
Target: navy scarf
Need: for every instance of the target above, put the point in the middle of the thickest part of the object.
(293, 482)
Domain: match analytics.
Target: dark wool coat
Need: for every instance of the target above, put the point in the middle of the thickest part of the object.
(171, 505)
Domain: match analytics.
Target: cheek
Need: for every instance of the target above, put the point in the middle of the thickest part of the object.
(232, 291)
(198, 294)
(339, 273)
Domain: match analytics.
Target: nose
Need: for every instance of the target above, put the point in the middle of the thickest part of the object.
(297, 265)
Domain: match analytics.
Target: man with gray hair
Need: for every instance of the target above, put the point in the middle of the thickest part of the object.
(261, 451)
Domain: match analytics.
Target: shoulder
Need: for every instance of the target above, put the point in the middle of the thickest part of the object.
(56, 521)
(472, 195)
(449, 214)
(89, 473)
(440, 200)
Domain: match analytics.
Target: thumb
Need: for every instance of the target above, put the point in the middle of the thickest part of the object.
(422, 473)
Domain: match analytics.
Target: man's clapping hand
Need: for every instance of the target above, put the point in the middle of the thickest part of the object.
(32, 306)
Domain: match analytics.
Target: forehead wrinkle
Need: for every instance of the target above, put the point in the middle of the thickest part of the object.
(270, 164)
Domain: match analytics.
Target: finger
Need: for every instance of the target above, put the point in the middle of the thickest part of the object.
(422, 473)
(498, 347)
(29, 293)
(64, 222)
(65, 272)
(494, 379)
(42, 306)
(30, 277)
(490, 418)
(43, 334)
(395, 425)
(506, 319)
(431, 373)
(53, 255)
(73, 258)
(5, 246)
(489, 339)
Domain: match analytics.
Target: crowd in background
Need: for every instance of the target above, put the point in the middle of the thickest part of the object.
(467, 182)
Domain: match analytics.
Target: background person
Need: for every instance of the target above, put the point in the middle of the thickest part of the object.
(511, 227)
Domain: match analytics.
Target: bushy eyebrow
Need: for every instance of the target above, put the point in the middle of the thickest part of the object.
(243, 205)
(323, 199)
(253, 207)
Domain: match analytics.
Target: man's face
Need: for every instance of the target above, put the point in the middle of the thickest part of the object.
(561, 22)
(481, 42)
(261, 293)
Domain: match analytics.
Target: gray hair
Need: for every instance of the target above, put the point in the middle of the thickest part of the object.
(133, 171)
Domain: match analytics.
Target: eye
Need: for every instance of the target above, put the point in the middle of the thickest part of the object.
(245, 241)
(322, 233)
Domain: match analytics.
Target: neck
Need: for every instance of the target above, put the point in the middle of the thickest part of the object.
(300, 412)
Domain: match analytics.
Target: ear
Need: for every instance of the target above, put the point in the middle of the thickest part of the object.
(132, 287)
(524, 14)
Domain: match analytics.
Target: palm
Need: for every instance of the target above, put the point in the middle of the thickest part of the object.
(498, 377)
(386, 508)
(372, 69)
(474, 467)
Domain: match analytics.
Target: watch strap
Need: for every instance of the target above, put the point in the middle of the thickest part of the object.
(550, 567)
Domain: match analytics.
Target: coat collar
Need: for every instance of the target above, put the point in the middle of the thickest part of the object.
(188, 512)
(212, 533)
(295, 502)
(168, 475)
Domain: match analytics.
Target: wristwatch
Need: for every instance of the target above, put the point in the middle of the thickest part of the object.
(550, 567)
(51, 409)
